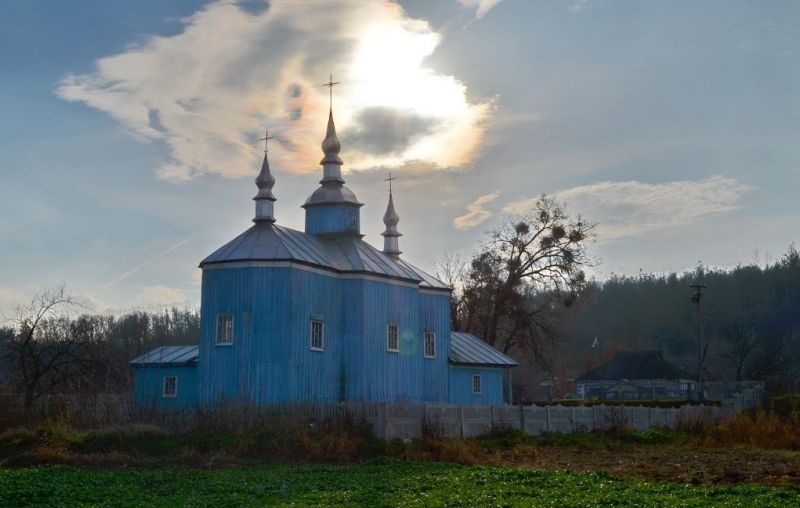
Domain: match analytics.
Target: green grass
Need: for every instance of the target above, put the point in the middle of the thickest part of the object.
(384, 483)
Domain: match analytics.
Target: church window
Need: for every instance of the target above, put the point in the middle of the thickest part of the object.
(225, 329)
(393, 338)
(429, 346)
(317, 335)
(170, 390)
(476, 384)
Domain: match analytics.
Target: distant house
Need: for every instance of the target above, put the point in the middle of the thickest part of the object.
(320, 316)
(636, 375)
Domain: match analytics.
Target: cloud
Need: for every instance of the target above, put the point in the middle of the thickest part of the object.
(476, 213)
(581, 5)
(481, 6)
(10, 299)
(155, 296)
(389, 131)
(208, 92)
(631, 208)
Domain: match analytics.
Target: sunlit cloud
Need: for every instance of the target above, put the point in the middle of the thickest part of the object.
(155, 296)
(476, 213)
(208, 92)
(631, 208)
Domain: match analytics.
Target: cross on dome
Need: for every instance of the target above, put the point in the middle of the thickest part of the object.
(265, 200)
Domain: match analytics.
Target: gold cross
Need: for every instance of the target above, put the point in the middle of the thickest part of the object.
(266, 139)
(330, 84)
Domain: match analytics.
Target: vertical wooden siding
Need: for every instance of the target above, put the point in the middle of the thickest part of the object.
(270, 360)
(332, 219)
(149, 385)
(461, 386)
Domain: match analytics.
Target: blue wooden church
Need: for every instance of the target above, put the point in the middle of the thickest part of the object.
(320, 315)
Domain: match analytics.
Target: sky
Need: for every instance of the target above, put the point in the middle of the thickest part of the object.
(129, 133)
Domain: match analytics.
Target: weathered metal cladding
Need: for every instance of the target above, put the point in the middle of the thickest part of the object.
(322, 219)
(149, 386)
(461, 386)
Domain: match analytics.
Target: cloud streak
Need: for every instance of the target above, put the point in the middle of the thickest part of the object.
(631, 208)
(476, 214)
(146, 263)
(208, 92)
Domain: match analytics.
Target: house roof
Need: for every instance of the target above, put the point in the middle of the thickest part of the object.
(630, 365)
(168, 355)
(265, 241)
(467, 349)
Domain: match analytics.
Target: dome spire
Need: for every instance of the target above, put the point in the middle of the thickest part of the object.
(331, 162)
(391, 244)
(265, 200)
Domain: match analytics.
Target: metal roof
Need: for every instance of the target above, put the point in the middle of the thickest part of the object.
(636, 365)
(270, 242)
(169, 355)
(467, 349)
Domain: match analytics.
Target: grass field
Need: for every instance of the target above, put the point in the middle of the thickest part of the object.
(381, 483)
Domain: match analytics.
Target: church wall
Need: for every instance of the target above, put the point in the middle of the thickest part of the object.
(149, 386)
(461, 386)
(237, 371)
(435, 317)
(314, 375)
(405, 376)
(332, 219)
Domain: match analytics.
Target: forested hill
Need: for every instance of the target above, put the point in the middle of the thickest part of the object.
(751, 319)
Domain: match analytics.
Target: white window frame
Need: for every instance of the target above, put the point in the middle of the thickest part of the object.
(389, 328)
(479, 379)
(425, 336)
(220, 319)
(164, 392)
(311, 345)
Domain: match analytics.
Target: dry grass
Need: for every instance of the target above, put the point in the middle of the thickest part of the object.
(758, 446)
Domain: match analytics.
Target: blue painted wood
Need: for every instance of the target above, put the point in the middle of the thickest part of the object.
(322, 219)
(149, 383)
(461, 386)
(270, 360)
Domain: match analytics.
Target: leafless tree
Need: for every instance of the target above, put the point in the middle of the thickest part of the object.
(47, 349)
(525, 271)
(452, 270)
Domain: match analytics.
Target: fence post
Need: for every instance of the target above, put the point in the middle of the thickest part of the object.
(493, 426)
(461, 420)
(547, 412)
(522, 417)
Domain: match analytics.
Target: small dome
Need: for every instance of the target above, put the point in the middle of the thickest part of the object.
(332, 194)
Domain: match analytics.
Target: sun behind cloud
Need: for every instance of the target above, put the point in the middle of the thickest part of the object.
(209, 91)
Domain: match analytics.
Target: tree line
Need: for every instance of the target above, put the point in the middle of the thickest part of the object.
(53, 346)
(524, 291)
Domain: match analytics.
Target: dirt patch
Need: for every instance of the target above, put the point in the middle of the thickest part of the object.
(675, 463)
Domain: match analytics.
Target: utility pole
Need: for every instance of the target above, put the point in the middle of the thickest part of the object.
(696, 297)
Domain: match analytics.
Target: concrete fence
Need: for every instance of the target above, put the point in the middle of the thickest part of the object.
(392, 421)
(408, 421)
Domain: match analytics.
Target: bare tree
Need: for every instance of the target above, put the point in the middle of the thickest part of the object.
(46, 350)
(452, 270)
(741, 345)
(525, 271)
